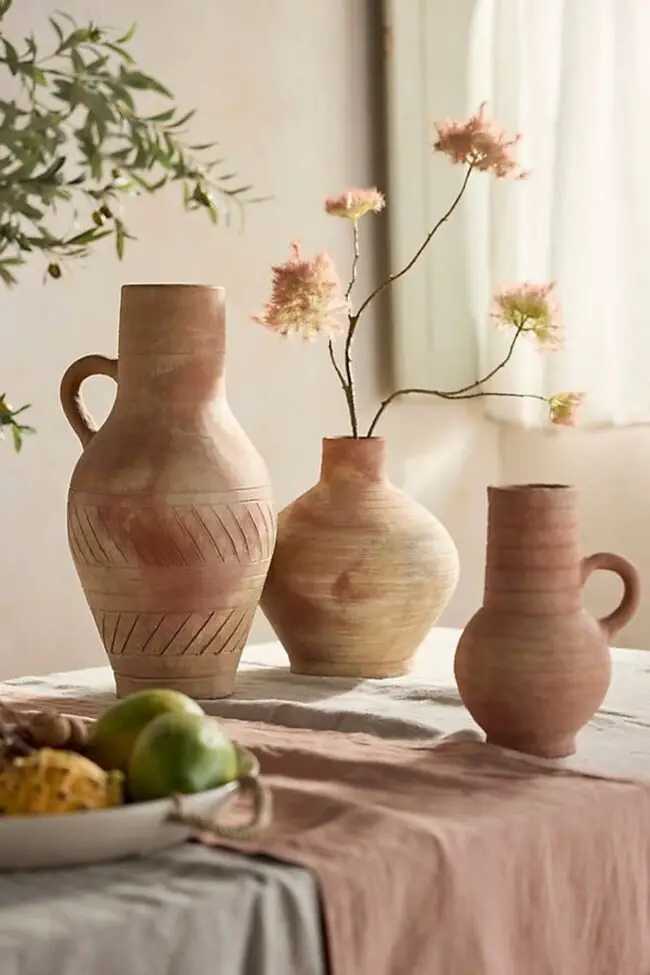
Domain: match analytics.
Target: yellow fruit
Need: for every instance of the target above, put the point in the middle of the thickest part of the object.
(180, 754)
(55, 781)
(113, 735)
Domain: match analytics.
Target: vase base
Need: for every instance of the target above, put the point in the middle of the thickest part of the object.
(200, 688)
(557, 748)
(359, 670)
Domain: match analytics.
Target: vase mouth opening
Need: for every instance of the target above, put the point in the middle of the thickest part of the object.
(345, 458)
(348, 439)
(532, 486)
(164, 285)
(172, 319)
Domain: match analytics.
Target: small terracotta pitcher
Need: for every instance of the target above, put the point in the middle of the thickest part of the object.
(532, 666)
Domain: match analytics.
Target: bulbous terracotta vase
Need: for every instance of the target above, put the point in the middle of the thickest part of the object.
(533, 666)
(170, 518)
(360, 572)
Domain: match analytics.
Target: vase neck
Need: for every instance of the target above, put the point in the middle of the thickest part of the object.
(533, 563)
(172, 343)
(350, 461)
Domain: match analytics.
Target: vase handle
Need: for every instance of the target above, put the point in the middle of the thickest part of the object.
(70, 392)
(631, 587)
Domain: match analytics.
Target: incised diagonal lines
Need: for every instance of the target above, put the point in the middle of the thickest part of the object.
(153, 632)
(217, 633)
(174, 635)
(95, 535)
(232, 642)
(117, 623)
(196, 636)
(80, 528)
(129, 634)
(110, 535)
(226, 532)
(188, 534)
(207, 532)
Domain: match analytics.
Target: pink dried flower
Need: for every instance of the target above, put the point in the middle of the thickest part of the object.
(563, 408)
(531, 308)
(306, 297)
(479, 143)
(354, 204)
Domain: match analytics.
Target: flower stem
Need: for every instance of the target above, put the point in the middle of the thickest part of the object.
(346, 378)
(337, 368)
(348, 386)
(446, 396)
(504, 362)
(465, 392)
(427, 240)
(355, 261)
(344, 385)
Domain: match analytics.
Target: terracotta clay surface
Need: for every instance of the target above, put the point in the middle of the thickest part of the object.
(533, 666)
(360, 573)
(170, 517)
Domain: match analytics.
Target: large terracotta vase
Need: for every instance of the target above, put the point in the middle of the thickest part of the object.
(170, 518)
(532, 665)
(360, 571)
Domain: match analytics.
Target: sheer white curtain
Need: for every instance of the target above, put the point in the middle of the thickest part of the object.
(574, 77)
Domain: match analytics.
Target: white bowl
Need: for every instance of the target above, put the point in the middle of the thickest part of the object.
(137, 829)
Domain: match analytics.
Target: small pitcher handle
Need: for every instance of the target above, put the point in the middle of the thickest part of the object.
(631, 588)
(70, 392)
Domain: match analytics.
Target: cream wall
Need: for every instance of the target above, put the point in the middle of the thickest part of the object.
(292, 91)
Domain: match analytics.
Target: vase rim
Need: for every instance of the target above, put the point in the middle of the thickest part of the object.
(171, 319)
(532, 486)
(353, 458)
(136, 285)
(348, 438)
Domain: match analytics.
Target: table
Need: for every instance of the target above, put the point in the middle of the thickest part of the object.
(199, 910)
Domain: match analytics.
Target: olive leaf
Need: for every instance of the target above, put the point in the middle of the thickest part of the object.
(74, 146)
(8, 418)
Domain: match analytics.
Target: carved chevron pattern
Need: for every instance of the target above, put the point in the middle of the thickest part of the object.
(174, 634)
(172, 536)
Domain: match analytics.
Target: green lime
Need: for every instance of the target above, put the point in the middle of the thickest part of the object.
(180, 753)
(114, 734)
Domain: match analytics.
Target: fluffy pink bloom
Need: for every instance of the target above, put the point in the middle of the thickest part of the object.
(306, 297)
(563, 408)
(354, 204)
(531, 308)
(479, 143)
